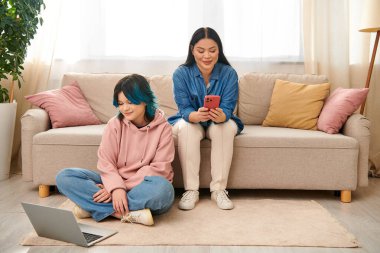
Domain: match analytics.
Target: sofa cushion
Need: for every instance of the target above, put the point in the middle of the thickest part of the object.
(98, 90)
(255, 136)
(255, 92)
(162, 86)
(279, 137)
(338, 107)
(66, 106)
(71, 136)
(296, 105)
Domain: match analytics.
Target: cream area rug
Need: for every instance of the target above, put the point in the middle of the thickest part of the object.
(252, 222)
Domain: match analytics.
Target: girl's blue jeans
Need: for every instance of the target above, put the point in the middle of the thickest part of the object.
(79, 185)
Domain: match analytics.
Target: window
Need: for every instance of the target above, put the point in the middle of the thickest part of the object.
(250, 29)
(269, 29)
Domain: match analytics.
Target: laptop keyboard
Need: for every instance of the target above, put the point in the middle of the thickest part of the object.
(91, 237)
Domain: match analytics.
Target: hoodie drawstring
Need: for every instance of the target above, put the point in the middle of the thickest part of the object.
(146, 143)
(125, 163)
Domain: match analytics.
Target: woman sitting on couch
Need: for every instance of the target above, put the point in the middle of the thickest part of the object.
(205, 72)
(134, 160)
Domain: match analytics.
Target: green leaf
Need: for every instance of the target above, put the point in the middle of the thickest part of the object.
(19, 22)
(4, 97)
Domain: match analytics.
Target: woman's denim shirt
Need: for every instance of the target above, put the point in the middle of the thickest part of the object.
(189, 91)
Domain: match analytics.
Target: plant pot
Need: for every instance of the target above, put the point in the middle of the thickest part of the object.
(7, 128)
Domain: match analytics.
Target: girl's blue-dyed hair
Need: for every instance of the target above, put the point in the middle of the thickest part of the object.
(137, 90)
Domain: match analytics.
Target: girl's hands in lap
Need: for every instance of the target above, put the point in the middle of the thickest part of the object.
(119, 201)
(102, 196)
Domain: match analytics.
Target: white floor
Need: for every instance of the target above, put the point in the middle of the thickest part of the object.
(361, 217)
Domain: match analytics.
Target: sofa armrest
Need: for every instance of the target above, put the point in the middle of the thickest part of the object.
(33, 122)
(358, 127)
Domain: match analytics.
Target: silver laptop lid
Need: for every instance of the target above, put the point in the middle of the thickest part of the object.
(59, 224)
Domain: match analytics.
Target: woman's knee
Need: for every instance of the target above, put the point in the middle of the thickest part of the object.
(190, 130)
(227, 129)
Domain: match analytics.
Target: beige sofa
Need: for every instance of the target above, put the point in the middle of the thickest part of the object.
(264, 157)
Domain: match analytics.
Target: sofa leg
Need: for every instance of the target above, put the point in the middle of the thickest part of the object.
(43, 190)
(345, 196)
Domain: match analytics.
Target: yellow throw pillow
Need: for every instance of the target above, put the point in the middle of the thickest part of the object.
(296, 105)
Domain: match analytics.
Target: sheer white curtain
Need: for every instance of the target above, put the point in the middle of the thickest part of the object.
(152, 36)
(38, 67)
(326, 40)
(334, 47)
(361, 46)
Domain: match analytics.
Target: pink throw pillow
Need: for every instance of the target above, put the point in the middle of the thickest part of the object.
(66, 106)
(338, 107)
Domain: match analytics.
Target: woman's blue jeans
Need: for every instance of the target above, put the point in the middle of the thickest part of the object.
(79, 185)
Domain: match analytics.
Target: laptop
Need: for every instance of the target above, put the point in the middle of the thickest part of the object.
(61, 225)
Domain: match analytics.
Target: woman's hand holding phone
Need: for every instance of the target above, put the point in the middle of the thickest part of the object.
(209, 111)
(202, 115)
(211, 101)
(217, 115)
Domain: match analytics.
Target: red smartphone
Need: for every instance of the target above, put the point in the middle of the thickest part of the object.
(211, 101)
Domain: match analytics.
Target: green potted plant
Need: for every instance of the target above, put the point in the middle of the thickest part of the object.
(18, 25)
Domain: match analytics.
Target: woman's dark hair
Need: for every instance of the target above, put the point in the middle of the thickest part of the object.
(203, 33)
(137, 90)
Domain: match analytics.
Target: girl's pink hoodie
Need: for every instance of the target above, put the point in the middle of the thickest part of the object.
(127, 154)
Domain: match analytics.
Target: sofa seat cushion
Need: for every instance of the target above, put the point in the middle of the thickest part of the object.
(254, 136)
(76, 136)
(277, 137)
